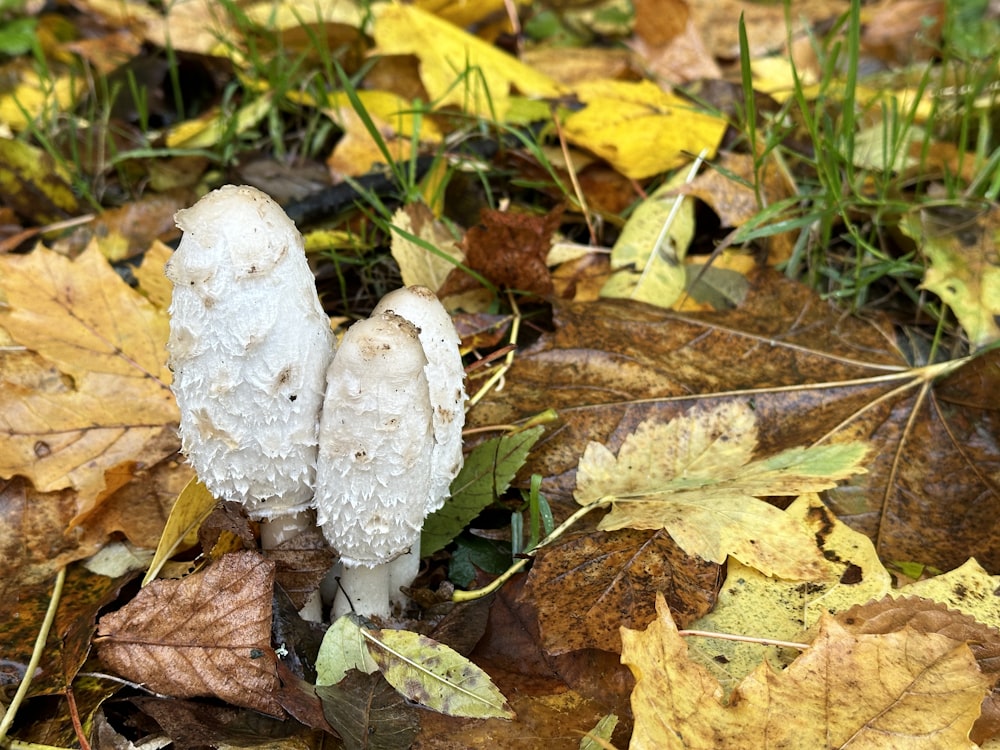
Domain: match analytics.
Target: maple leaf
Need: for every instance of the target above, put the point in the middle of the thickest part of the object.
(694, 477)
(901, 689)
(104, 401)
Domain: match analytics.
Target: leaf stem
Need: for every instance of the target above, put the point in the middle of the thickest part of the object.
(496, 583)
(36, 656)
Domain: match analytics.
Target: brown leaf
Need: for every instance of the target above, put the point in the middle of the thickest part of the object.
(368, 713)
(101, 401)
(587, 586)
(890, 615)
(302, 563)
(205, 635)
(810, 375)
(510, 249)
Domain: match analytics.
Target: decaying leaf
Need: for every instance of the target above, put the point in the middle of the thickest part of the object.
(648, 256)
(694, 477)
(754, 605)
(964, 271)
(435, 675)
(369, 714)
(918, 690)
(205, 635)
(509, 249)
(587, 586)
(418, 265)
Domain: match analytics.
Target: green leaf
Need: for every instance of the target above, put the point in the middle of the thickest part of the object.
(343, 649)
(490, 556)
(488, 472)
(436, 676)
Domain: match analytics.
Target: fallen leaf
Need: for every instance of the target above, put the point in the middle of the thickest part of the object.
(435, 676)
(368, 713)
(417, 264)
(34, 185)
(754, 605)
(457, 69)
(920, 690)
(964, 270)
(647, 259)
(809, 373)
(587, 586)
(205, 635)
(510, 249)
(103, 401)
(694, 477)
(969, 588)
(639, 129)
(889, 615)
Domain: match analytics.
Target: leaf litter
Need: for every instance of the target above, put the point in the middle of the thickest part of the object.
(620, 376)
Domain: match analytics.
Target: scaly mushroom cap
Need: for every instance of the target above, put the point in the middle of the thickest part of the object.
(376, 443)
(445, 376)
(249, 347)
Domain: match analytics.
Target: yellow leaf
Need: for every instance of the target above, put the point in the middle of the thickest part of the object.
(901, 689)
(104, 401)
(417, 264)
(969, 589)
(640, 129)
(33, 184)
(215, 125)
(32, 96)
(693, 477)
(964, 271)
(457, 68)
(759, 606)
(193, 506)
(649, 268)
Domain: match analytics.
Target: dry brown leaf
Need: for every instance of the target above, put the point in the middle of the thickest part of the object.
(509, 249)
(101, 403)
(205, 635)
(810, 374)
(586, 586)
(890, 615)
(902, 689)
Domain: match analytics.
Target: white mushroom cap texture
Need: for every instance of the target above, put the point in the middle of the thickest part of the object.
(376, 442)
(445, 376)
(249, 348)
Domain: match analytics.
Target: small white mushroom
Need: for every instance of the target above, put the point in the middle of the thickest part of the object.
(249, 348)
(374, 472)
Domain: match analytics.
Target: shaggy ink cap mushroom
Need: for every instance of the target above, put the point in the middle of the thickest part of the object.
(374, 471)
(249, 347)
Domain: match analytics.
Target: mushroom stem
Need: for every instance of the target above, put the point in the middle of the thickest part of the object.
(363, 590)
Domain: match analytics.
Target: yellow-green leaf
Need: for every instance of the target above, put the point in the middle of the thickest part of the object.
(193, 506)
(436, 676)
(694, 477)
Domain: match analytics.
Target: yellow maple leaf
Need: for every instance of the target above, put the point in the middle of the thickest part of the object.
(457, 68)
(694, 477)
(640, 129)
(104, 403)
(901, 689)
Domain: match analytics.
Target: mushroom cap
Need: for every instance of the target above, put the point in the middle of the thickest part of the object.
(445, 378)
(376, 441)
(249, 347)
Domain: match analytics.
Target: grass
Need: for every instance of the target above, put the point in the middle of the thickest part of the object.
(841, 140)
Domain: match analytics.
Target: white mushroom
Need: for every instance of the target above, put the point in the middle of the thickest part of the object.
(249, 348)
(374, 473)
(446, 380)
